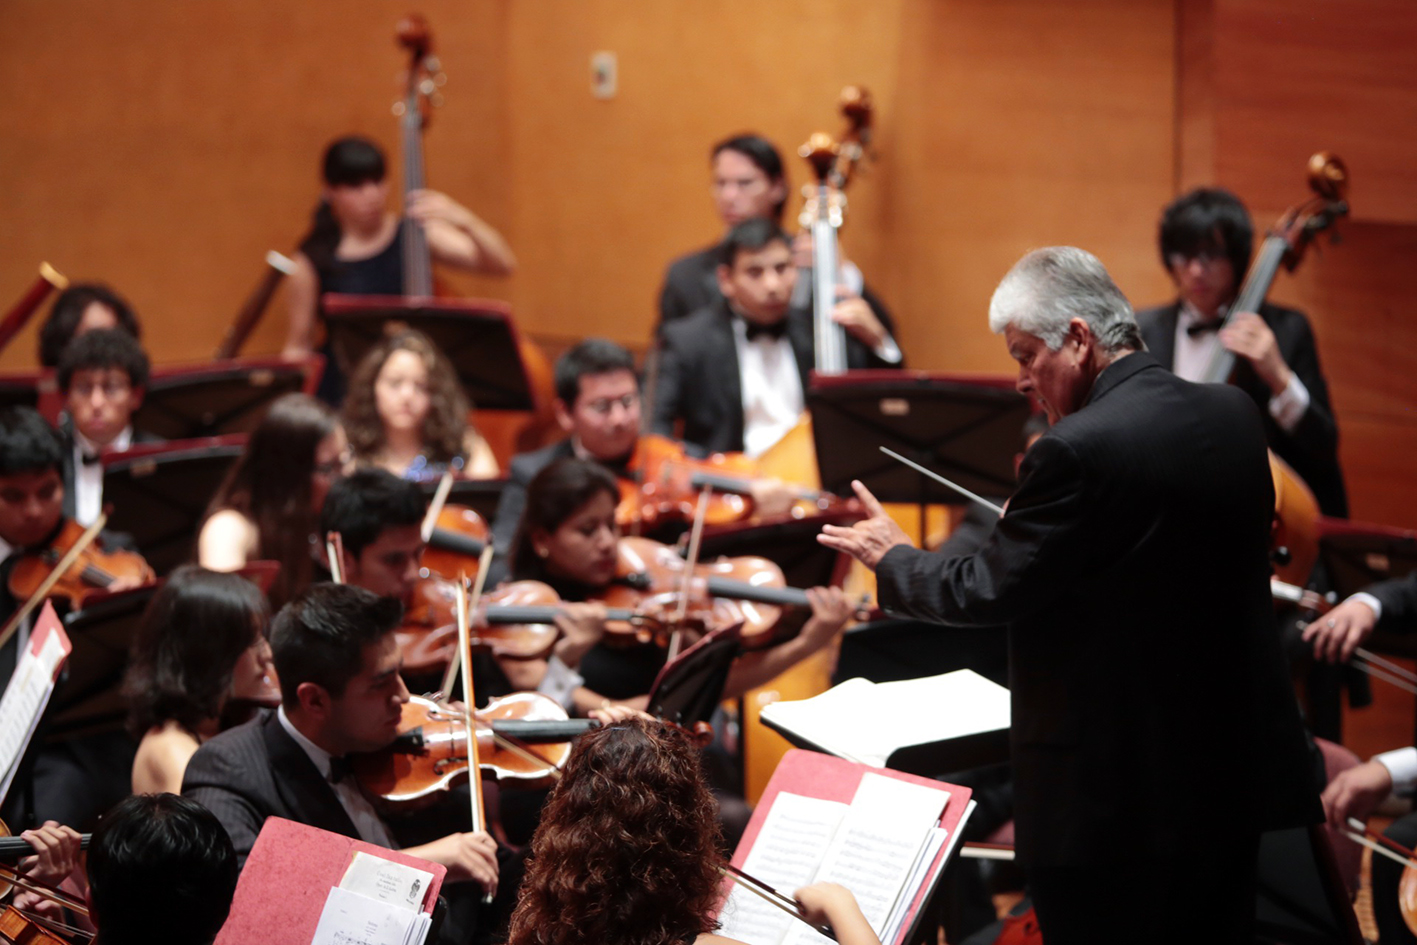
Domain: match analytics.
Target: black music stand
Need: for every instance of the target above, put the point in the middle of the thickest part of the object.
(1356, 554)
(689, 687)
(223, 397)
(159, 493)
(967, 428)
(476, 335)
(480, 495)
(89, 698)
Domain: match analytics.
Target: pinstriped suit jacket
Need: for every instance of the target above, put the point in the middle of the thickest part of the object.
(1150, 700)
(255, 771)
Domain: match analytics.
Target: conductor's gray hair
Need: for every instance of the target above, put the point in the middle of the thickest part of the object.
(1048, 288)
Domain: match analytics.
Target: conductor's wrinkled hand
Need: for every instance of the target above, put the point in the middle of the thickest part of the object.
(869, 539)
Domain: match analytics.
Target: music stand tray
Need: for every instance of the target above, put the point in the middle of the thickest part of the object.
(89, 697)
(1357, 554)
(966, 427)
(790, 543)
(689, 687)
(159, 493)
(185, 402)
(37, 389)
(476, 335)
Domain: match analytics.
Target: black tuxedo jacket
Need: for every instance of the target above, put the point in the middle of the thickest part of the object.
(1312, 449)
(698, 381)
(1158, 724)
(1399, 600)
(254, 771)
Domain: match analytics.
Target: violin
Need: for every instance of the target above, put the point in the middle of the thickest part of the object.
(665, 482)
(431, 751)
(23, 929)
(94, 571)
(651, 576)
(455, 540)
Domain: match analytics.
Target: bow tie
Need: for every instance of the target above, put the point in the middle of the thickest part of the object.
(90, 459)
(1200, 328)
(773, 332)
(339, 769)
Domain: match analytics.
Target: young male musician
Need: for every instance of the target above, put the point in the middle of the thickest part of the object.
(160, 870)
(378, 516)
(1205, 240)
(341, 692)
(749, 183)
(74, 780)
(735, 372)
(1145, 487)
(102, 375)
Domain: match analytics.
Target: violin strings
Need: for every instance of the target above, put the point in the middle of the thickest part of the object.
(1401, 682)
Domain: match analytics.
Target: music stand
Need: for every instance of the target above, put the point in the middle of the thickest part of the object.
(689, 687)
(89, 698)
(790, 543)
(476, 335)
(185, 402)
(966, 427)
(36, 389)
(480, 495)
(160, 492)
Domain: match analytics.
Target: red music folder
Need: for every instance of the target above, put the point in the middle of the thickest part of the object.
(826, 777)
(288, 877)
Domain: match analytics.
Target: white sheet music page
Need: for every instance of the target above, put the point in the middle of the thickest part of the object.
(29, 690)
(352, 919)
(848, 720)
(876, 847)
(794, 838)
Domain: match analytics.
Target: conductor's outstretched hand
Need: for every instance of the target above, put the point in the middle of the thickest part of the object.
(869, 539)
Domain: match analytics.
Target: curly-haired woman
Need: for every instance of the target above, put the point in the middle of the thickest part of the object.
(627, 852)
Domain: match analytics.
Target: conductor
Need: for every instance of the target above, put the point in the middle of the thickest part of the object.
(1154, 735)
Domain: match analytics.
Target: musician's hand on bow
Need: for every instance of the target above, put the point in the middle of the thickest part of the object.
(772, 496)
(868, 540)
(468, 856)
(1356, 793)
(834, 906)
(1341, 631)
(582, 624)
(1247, 335)
(853, 314)
(426, 205)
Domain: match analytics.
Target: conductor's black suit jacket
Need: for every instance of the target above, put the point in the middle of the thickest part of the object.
(1150, 702)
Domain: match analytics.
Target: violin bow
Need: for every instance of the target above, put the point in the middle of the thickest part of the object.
(334, 553)
(1359, 833)
(1364, 659)
(12, 875)
(435, 507)
(772, 897)
(479, 811)
(942, 480)
(696, 535)
(55, 573)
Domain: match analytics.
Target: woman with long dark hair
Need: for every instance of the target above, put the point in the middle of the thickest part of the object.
(270, 502)
(202, 644)
(355, 244)
(628, 851)
(407, 413)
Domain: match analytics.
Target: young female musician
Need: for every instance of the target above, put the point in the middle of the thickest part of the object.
(355, 244)
(568, 539)
(83, 307)
(628, 850)
(407, 413)
(201, 644)
(268, 506)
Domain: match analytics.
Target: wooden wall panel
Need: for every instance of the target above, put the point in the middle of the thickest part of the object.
(165, 146)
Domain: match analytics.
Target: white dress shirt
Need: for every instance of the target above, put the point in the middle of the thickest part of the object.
(772, 388)
(88, 477)
(356, 804)
(1193, 354)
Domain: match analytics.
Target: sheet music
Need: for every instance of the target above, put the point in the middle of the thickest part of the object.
(846, 720)
(28, 693)
(352, 919)
(386, 881)
(919, 873)
(792, 842)
(876, 847)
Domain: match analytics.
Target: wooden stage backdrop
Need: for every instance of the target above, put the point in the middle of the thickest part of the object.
(165, 146)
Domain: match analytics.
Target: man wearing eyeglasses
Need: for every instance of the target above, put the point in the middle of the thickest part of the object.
(1206, 238)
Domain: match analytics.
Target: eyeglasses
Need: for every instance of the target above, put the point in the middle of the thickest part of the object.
(605, 406)
(1206, 257)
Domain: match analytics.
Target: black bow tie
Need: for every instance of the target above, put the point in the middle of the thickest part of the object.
(1200, 328)
(339, 768)
(773, 332)
(90, 459)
